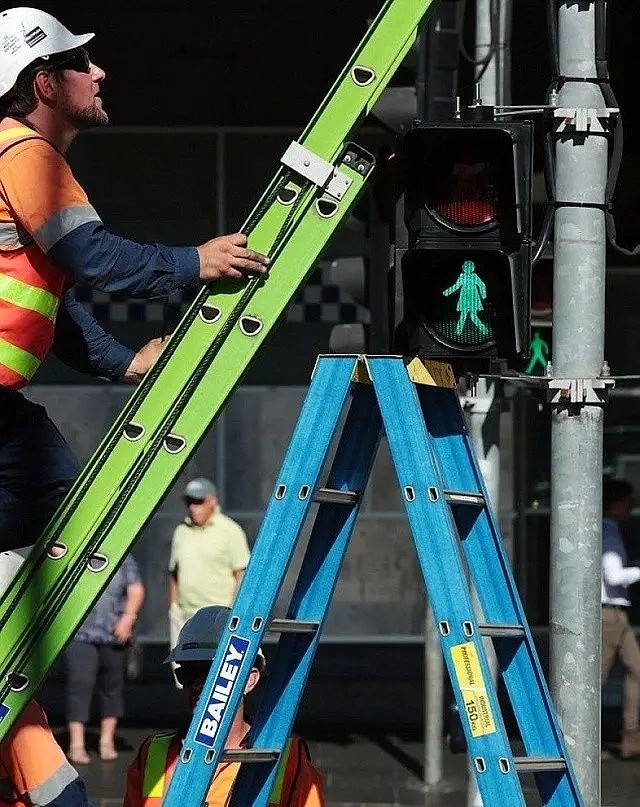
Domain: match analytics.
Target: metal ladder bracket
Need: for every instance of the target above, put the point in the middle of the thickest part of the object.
(317, 170)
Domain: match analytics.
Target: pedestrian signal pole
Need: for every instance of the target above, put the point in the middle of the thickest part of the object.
(577, 415)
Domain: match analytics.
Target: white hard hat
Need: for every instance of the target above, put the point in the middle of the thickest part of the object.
(200, 636)
(10, 562)
(27, 34)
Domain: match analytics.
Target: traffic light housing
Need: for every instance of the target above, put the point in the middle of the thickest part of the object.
(462, 240)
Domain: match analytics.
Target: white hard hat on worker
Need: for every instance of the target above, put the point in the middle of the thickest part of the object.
(29, 34)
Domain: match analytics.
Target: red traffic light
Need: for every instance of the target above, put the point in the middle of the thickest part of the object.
(466, 193)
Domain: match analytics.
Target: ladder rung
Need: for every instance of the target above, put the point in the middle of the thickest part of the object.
(293, 626)
(459, 497)
(331, 496)
(502, 631)
(250, 754)
(536, 764)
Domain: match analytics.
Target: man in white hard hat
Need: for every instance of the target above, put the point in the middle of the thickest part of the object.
(33, 767)
(298, 783)
(51, 238)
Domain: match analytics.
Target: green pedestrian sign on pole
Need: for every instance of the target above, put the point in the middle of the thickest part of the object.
(472, 292)
(539, 350)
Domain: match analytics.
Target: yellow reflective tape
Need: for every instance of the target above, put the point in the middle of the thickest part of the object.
(276, 792)
(18, 360)
(472, 687)
(156, 767)
(16, 131)
(22, 294)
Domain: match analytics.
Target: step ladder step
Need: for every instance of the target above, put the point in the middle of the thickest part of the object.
(537, 764)
(250, 754)
(293, 626)
(502, 631)
(461, 497)
(331, 496)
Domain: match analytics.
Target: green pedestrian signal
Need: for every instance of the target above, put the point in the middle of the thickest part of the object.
(539, 349)
(472, 292)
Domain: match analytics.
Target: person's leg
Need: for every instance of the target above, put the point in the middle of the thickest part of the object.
(612, 630)
(37, 468)
(110, 687)
(176, 623)
(82, 664)
(630, 657)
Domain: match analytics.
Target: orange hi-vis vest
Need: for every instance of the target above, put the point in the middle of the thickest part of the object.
(30, 286)
(297, 782)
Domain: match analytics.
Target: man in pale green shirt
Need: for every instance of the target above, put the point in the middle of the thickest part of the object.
(209, 553)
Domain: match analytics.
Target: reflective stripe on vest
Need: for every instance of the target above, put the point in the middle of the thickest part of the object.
(30, 292)
(18, 360)
(22, 294)
(155, 769)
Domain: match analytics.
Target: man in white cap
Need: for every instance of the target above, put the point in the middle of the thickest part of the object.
(209, 553)
(51, 238)
(33, 767)
(298, 783)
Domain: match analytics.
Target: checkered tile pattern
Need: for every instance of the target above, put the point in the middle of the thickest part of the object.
(320, 300)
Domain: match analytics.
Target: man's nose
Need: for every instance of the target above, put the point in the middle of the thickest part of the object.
(97, 73)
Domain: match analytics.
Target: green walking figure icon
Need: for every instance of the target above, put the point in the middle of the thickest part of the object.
(472, 292)
(539, 348)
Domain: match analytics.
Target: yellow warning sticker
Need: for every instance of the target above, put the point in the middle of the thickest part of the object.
(474, 693)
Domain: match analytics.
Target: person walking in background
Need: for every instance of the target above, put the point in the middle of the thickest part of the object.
(298, 783)
(618, 637)
(209, 553)
(96, 657)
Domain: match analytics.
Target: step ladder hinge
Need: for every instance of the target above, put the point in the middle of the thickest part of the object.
(331, 496)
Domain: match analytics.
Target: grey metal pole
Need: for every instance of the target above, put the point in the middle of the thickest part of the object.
(434, 703)
(576, 429)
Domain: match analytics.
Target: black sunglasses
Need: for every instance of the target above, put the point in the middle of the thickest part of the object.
(192, 672)
(77, 60)
(188, 500)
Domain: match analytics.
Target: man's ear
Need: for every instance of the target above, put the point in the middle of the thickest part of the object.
(252, 681)
(45, 86)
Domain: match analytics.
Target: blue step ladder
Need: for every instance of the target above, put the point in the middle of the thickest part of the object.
(453, 527)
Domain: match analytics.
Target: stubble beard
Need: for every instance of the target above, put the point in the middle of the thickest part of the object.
(89, 117)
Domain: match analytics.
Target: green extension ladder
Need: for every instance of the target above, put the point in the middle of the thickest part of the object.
(451, 522)
(316, 185)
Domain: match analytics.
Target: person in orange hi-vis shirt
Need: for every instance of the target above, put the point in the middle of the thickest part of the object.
(34, 771)
(298, 783)
(52, 239)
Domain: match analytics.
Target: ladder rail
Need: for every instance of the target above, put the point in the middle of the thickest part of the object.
(323, 559)
(487, 560)
(441, 561)
(57, 624)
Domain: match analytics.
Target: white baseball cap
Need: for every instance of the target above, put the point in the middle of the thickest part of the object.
(28, 34)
